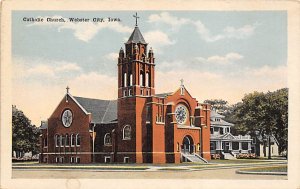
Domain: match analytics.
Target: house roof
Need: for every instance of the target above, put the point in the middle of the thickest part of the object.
(44, 125)
(261, 138)
(221, 123)
(213, 113)
(136, 37)
(102, 111)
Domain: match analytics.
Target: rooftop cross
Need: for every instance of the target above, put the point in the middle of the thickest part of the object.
(136, 18)
(67, 89)
(181, 80)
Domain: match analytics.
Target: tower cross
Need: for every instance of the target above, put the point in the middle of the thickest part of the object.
(136, 18)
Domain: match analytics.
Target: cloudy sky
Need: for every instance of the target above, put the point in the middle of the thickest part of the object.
(218, 54)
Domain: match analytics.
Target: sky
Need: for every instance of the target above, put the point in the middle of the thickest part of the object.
(218, 54)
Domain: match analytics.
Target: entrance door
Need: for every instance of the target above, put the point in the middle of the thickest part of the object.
(226, 147)
(187, 145)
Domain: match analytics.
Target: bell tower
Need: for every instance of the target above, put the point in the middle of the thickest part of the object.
(136, 67)
(135, 89)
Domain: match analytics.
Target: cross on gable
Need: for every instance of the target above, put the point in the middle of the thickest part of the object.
(181, 81)
(67, 89)
(136, 18)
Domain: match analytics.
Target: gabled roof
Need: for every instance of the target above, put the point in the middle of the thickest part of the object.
(103, 111)
(44, 125)
(136, 37)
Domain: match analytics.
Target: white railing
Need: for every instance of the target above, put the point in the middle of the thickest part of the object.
(243, 137)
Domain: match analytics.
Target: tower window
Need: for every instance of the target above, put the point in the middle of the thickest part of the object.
(125, 80)
(142, 92)
(124, 93)
(141, 80)
(147, 93)
(147, 80)
(130, 92)
(130, 80)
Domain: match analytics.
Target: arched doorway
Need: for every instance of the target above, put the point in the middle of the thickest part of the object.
(187, 145)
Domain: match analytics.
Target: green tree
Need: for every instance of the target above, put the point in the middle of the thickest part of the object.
(266, 113)
(220, 105)
(25, 136)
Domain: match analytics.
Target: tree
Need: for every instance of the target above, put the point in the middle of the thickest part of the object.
(220, 105)
(266, 113)
(25, 136)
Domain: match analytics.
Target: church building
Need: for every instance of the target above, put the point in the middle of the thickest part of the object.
(140, 126)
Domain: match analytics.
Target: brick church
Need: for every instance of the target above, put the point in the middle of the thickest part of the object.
(139, 127)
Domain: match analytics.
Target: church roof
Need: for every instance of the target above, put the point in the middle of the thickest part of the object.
(163, 95)
(103, 111)
(136, 37)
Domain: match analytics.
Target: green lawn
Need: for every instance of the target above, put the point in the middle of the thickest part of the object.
(237, 161)
(267, 169)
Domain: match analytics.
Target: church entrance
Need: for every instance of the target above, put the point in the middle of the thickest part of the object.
(187, 145)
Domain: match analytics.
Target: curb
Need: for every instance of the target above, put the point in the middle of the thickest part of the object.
(261, 173)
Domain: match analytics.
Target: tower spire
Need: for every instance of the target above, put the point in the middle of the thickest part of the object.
(136, 18)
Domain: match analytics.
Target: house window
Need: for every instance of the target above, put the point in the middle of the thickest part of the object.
(72, 140)
(57, 140)
(107, 159)
(211, 130)
(45, 142)
(253, 140)
(127, 132)
(125, 80)
(107, 139)
(77, 140)
(235, 145)
(56, 159)
(244, 145)
(212, 145)
(67, 140)
(126, 159)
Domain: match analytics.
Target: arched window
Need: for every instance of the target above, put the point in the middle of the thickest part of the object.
(77, 140)
(141, 80)
(62, 140)
(127, 132)
(147, 80)
(72, 140)
(125, 80)
(67, 140)
(130, 80)
(107, 139)
(57, 140)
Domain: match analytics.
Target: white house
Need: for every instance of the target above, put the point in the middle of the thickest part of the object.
(222, 143)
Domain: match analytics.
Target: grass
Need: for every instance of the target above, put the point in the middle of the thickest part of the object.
(267, 169)
(173, 169)
(237, 161)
